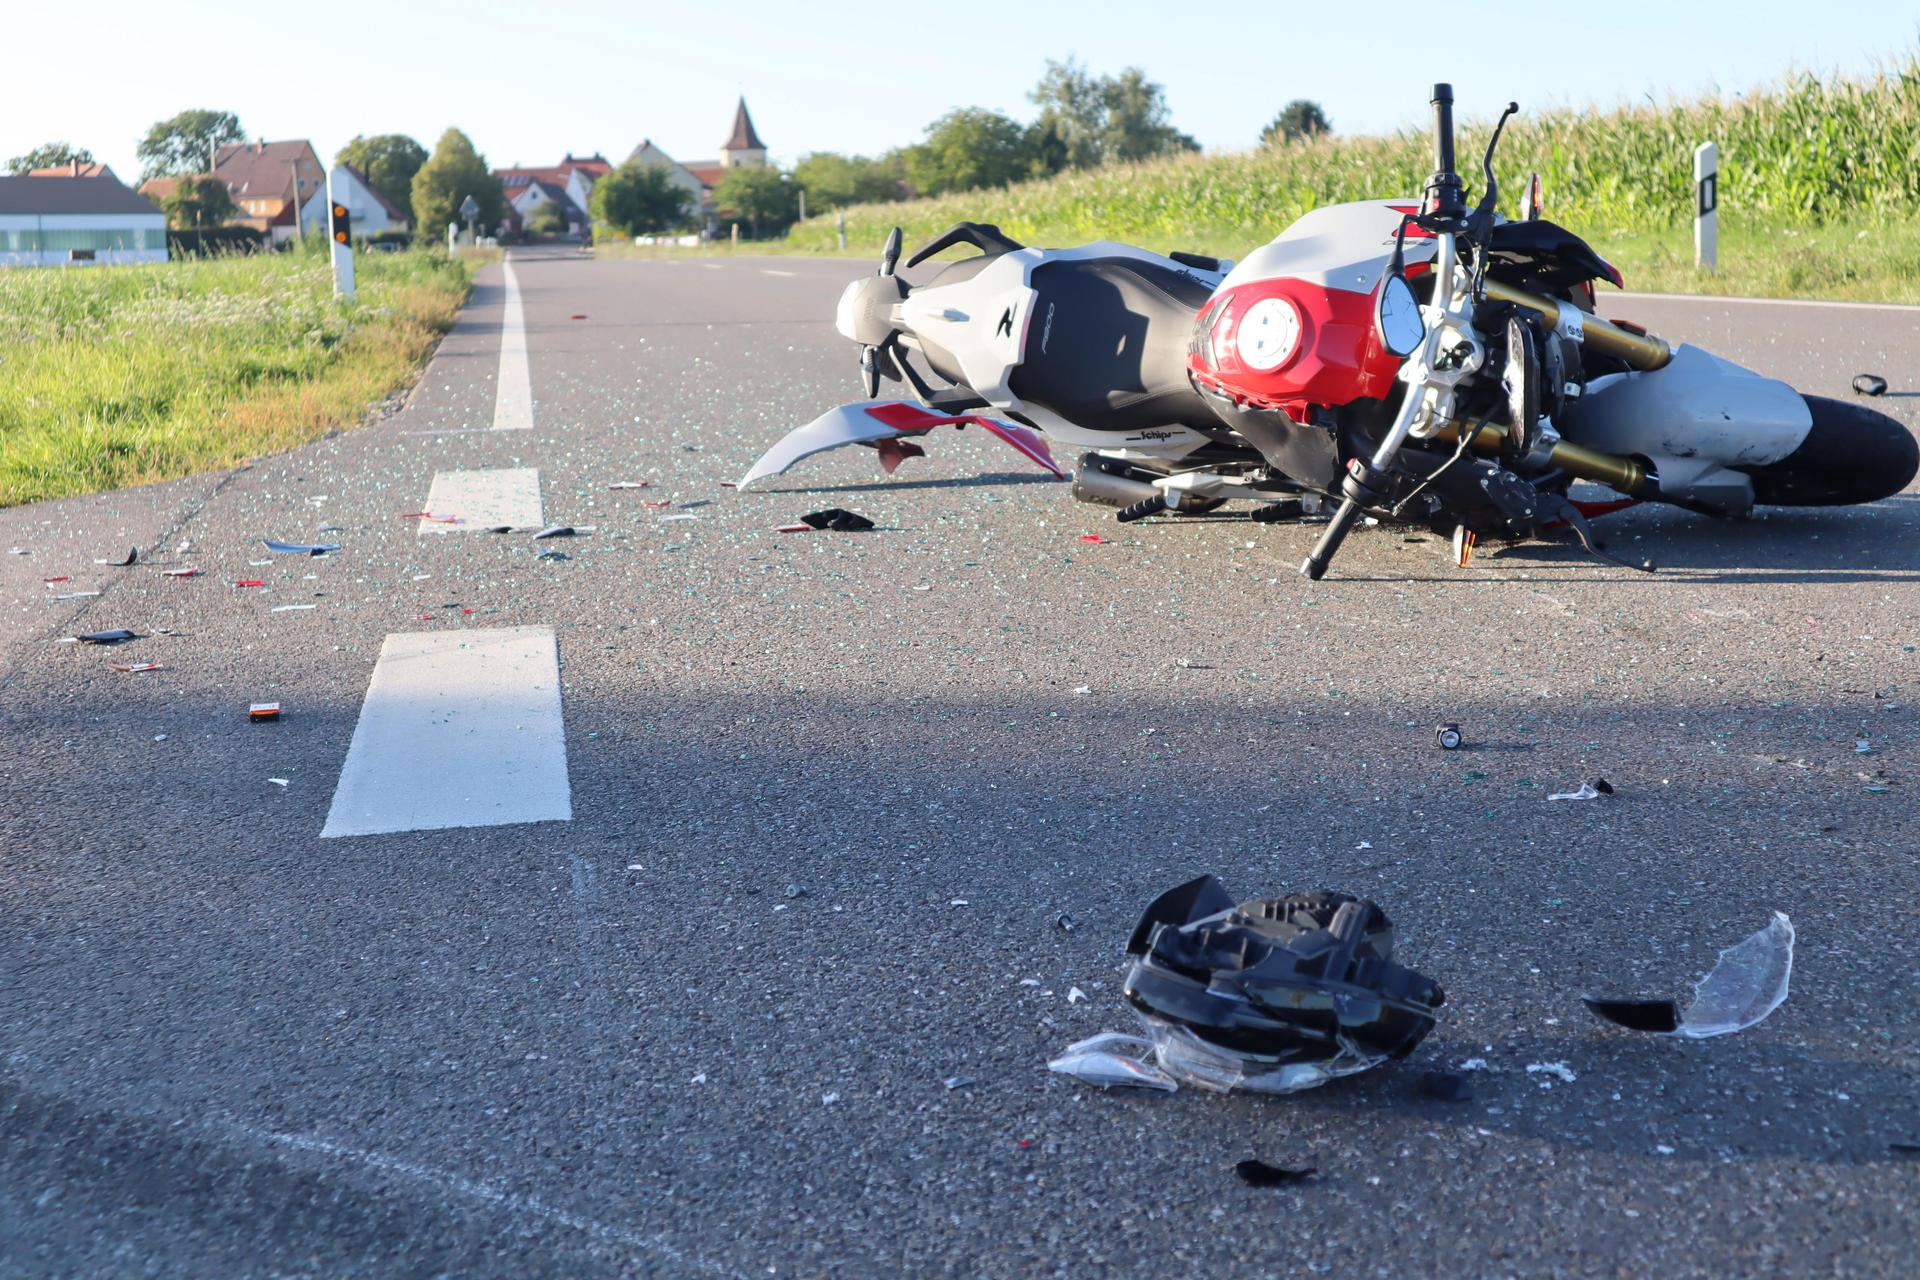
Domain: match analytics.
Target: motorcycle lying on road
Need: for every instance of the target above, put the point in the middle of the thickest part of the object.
(1417, 362)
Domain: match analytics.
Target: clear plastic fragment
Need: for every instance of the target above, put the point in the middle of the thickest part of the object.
(1747, 983)
(1169, 1056)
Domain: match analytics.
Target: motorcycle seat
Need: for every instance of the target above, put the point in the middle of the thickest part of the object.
(1107, 345)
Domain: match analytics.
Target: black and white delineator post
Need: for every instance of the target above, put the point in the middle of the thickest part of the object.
(1706, 206)
(340, 233)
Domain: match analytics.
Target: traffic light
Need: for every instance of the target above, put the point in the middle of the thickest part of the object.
(339, 223)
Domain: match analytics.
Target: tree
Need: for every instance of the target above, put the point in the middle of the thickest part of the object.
(454, 172)
(1298, 120)
(199, 200)
(547, 219)
(1088, 120)
(834, 181)
(766, 198)
(639, 199)
(49, 155)
(966, 149)
(185, 143)
(388, 161)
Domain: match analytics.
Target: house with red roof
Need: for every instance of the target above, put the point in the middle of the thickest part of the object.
(369, 208)
(270, 182)
(570, 183)
(698, 178)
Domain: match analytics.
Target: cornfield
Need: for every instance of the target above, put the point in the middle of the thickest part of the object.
(1804, 153)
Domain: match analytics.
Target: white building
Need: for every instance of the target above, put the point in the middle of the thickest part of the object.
(370, 210)
(57, 219)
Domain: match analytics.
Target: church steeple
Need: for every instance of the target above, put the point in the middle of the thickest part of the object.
(743, 146)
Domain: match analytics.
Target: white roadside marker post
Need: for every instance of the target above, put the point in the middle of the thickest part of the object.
(340, 233)
(453, 235)
(1706, 206)
(841, 227)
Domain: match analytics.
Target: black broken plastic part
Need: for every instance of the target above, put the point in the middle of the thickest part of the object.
(1447, 1086)
(1635, 1015)
(837, 519)
(132, 556)
(1870, 384)
(1278, 979)
(554, 531)
(1258, 1173)
(114, 636)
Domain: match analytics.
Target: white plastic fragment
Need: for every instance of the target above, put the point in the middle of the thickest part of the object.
(278, 782)
(1075, 995)
(1558, 1070)
(1747, 983)
(1586, 792)
(1170, 1056)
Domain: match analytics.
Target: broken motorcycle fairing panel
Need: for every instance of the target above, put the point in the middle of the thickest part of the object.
(1274, 995)
(883, 422)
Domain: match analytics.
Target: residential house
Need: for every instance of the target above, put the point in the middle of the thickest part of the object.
(523, 199)
(367, 205)
(270, 182)
(698, 178)
(573, 177)
(73, 169)
(61, 218)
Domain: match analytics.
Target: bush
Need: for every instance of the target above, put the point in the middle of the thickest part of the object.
(547, 219)
(207, 242)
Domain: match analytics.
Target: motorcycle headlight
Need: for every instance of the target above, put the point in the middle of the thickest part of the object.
(1269, 334)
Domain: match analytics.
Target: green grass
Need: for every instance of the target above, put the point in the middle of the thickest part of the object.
(1806, 167)
(121, 375)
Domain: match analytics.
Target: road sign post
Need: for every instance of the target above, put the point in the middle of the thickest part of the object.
(1706, 206)
(340, 233)
(470, 209)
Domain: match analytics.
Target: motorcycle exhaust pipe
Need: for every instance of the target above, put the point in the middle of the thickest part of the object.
(1110, 482)
(1641, 350)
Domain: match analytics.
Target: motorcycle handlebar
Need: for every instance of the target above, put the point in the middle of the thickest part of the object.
(1315, 565)
(1443, 128)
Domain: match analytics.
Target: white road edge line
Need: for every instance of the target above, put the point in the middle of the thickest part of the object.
(513, 388)
(1764, 302)
(484, 500)
(769, 271)
(460, 728)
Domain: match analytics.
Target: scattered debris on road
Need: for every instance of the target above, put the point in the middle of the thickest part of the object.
(1447, 737)
(1588, 791)
(553, 555)
(1096, 539)
(290, 608)
(958, 1082)
(1746, 984)
(180, 573)
(263, 711)
(278, 782)
(299, 548)
(133, 555)
(117, 635)
(631, 484)
(1258, 1173)
(1870, 384)
(1243, 996)
(1063, 922)
(1558, 1070)
(836, 520)
(131, 667)
(555, 531)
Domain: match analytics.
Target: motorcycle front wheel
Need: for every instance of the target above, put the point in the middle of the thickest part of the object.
(1851, 455)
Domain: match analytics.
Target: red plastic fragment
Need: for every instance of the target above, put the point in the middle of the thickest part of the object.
(794, 528)
(577, 317)
(249, 582)
(1094, 538)
(53, 580)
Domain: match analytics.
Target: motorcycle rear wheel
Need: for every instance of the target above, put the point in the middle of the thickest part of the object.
(1851, 455)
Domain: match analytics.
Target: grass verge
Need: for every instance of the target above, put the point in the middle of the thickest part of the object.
(122, 375)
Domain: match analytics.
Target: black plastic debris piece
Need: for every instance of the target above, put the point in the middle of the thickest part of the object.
(1064, 922)
(1258, 1173)
(299, 548)
(1604, 787)
(133, 554)
(1447, 1086)
(498, 528)
(696, 504)
(1870, 384)
(115, 636)
(553, 555)
(1636, 1015)
(554, 531)
(1307, 979)
(836, 520)
(796, 891)
(1904, 1148)
(1447, 737)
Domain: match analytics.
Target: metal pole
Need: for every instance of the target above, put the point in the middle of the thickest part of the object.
(1706, 206)
(803, 205)
(842, 220)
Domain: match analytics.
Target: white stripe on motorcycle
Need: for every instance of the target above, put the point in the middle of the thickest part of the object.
(484, 500)
(513, 388)
(459, 729)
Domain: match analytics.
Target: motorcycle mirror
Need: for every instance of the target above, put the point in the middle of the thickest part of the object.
(891, 253)
(1397, 319)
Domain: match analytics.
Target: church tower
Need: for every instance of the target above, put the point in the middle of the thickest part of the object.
(743, 148)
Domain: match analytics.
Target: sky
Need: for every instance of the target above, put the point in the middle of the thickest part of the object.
(530, 82)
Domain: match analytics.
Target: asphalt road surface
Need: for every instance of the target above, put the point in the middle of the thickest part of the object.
(820, 796)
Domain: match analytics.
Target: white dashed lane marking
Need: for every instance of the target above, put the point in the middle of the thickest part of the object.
(484, 500)
(513, 388)
(459, 729)
(769, 271)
